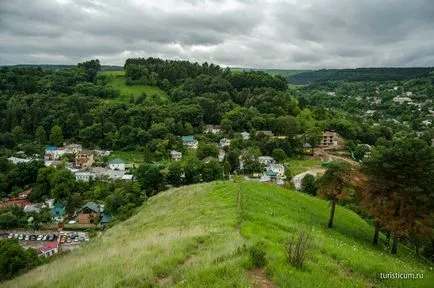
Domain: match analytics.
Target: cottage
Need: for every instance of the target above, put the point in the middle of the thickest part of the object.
(264, 133)
(84, 176)
(84, 159)
(117, 164)
(214, 129)
(73, 149)
(101, 172)
(245, 135)
(176, 155)
(58, 212)
(190, 142)
(89, 213)
(49, 249)
(225, 142)
(266, 160)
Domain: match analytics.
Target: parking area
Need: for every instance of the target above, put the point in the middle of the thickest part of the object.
(31, 240)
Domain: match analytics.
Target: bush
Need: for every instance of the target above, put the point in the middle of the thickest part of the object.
(297, 247)
(309, 185)
(257, 255)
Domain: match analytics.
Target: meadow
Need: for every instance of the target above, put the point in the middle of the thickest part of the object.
(117, 81)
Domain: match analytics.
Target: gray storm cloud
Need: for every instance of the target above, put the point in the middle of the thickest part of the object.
(266, 34)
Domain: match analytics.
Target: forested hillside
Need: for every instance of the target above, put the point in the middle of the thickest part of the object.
(359, 74)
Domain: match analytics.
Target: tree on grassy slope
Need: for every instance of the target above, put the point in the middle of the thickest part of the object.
(334, 184)
(402, 193)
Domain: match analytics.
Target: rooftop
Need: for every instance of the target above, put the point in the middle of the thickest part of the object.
(117, 161)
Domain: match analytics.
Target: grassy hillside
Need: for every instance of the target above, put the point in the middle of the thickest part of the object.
(199, 236)
(117, 80)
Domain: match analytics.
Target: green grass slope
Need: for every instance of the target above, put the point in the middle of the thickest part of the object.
(199, 236)
(117, 81)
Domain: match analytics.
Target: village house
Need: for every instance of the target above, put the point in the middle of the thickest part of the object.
(33, 208)
(176, 155)
(329, 139)
(278, 170)
(190, 142)
(225, 142)
(117, 164)
(84, 176)
(264, 133)
(73, 149)
(245, 135)
(266, 160)
(84, 159)
(402, 100)
(58, 212)
(214, 129)
(53, 153)
(89, 213)
(49, 249)
(101, 172)
(16, 160)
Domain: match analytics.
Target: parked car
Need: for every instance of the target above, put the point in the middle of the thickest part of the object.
(27, 238)
(72, 222)
(33, 238)
(45, 238)
(68, 240)
(40, 237)
(76, 240)
(62, 240)
(21, 237)
(11, 235)
(51, 237)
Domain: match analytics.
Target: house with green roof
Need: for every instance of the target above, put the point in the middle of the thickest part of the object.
(89, 213)
(190, 142)
(117, 164)
(58, 212)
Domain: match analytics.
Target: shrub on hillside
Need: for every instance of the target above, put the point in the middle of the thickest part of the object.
(297, 247)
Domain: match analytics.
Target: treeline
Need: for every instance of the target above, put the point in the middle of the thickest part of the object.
(359, 74)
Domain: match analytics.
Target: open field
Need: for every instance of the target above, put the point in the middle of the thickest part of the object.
(199, 236)
(117, 81)
(297, 166)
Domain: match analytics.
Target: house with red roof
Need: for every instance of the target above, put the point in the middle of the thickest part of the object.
(49, 249)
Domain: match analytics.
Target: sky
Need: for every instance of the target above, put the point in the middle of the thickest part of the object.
(292, 34)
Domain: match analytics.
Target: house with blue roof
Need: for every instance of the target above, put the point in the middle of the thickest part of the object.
(117, 164)
(190, 142)
(58, 212)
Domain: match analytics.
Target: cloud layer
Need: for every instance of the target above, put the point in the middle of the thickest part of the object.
(266, 34)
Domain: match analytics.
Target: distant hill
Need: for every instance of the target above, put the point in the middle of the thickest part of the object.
(282, 72)
(359, 74)
(201, 236)
(60, 66)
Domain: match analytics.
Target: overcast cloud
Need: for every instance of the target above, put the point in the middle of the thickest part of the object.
(264, 34)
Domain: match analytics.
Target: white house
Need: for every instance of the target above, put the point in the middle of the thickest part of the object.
(176, 155)
(214, 129)
(245, 135)
(84, 176)
(266, 160)
(33, 208)
(117, 164)
(225, 142)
